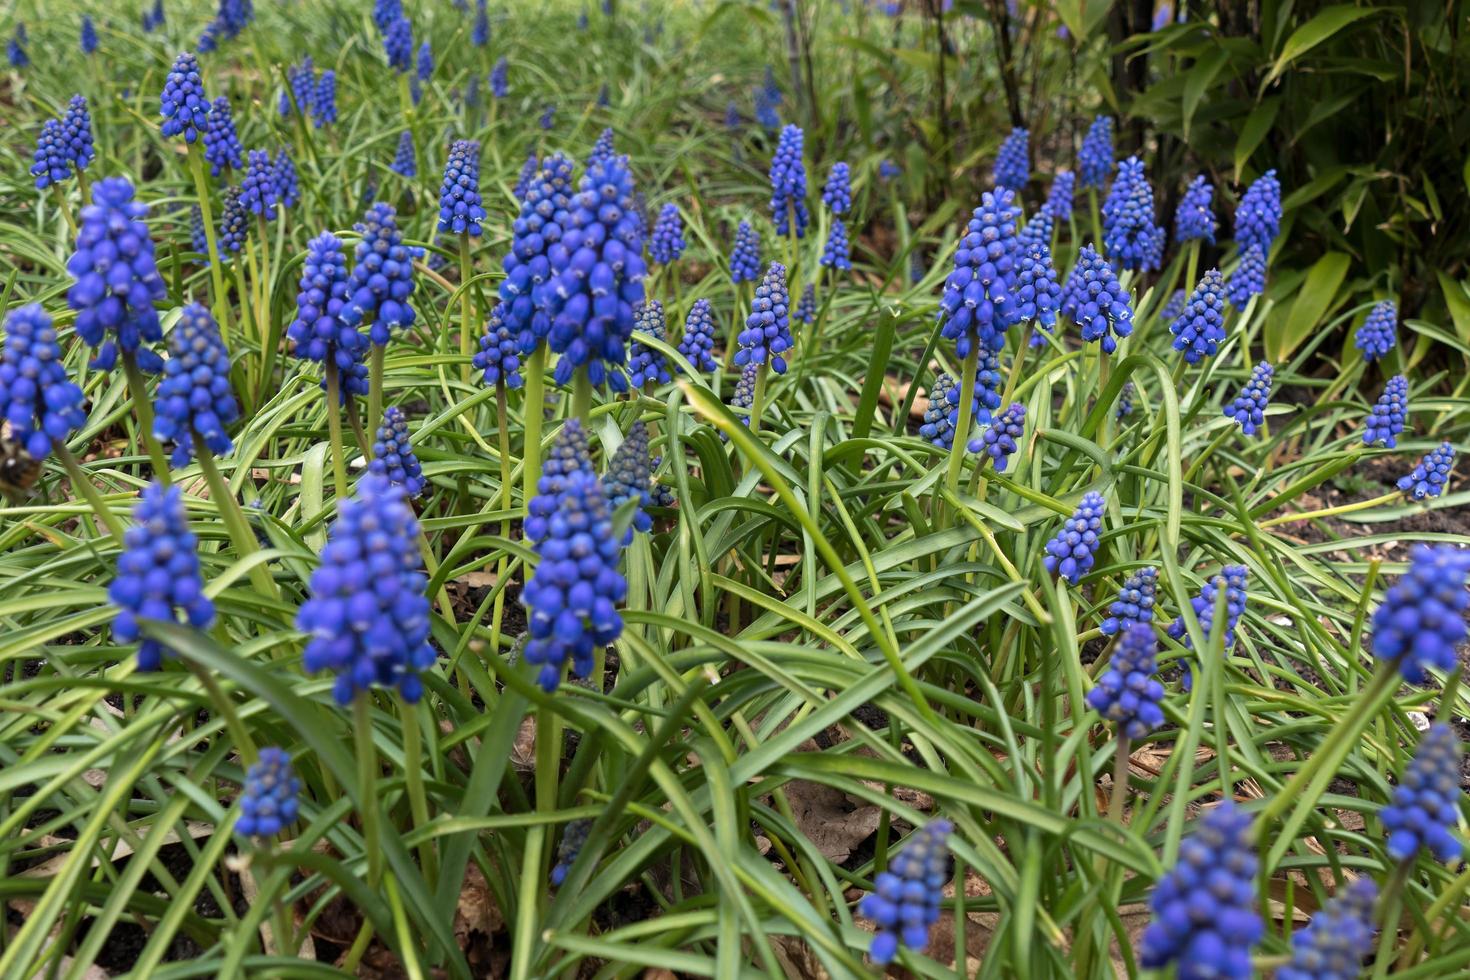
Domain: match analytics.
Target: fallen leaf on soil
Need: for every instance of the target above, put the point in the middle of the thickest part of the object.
(829, 820)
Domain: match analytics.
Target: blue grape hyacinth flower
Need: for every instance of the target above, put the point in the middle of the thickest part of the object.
(1070, 554)
(1095, 301)
(1131, 236)
(548, 117)
(1128, 694)
(284, 177)
(647, 365)
(367, 617)
(1059, 198)
(977, 304)
(743, 398)
(1432, 475)
(767, 333)
(52, 160)
(906, 897)
(1258, 217)
(480, 31)
(1426, 803)
(319, 333)
(569, 456)
(1232, 579)
(425, 63)
(806, 307)
(222, 147)
(195, 398)
(385, 12)
(88, 37)
(1036, 231)
(258, 189)
(1013, 161)
(39, 399)
(398, 45)
(545, 215)
(1199, 328)
(667, 243)
(324, 100)
(1386, 420)
(499, 357)
(76, 128)
(269, 801)
(1038, 296)
(1173, 307)
(937, 427)
(745, 257)
(1095, 159)
(500, 78)
(1338, 939)
(528, 173)
(382, 284)
(1194, 220)
(183, 104)
(158, 573)
(15, 48)
(837, 192)
(1002, 437)
(604, 148)
(1421, 620)
(393, 455)
(1379, 332)
(1204, 908)
(1134, 605)
(837, 252)
(630, 477)
(698, 341)
(117, 279)
(1248, 279)
(460, 211)
(234, 224)
(573, 838)
(153, 18)
(300, 82)
(1125, 401)
(788, 183)
(1249, 407)
(404, 162)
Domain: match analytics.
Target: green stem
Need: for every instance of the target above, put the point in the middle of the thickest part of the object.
(367, 783)
(581, 395)
(962, 427)
(758, 397)
(83, 485)
(466, 307)
(334, 429)
(375, 383)
(239, 734)
(1387, 498)
(502, 433)
(1120, 781)
(418, 800)
(235, 523)
(1225, 433)
(1390, 904)
(532, 411)
(143, 408)
(219, 304)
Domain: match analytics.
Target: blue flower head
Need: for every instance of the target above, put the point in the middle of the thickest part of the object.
(222, 147)
(1258, 218)
(906, 897)
(1426, 803)
(745, 257)
(837, 252)
(76, 128)
(667, 243)
(603, 149)
(197, 238)
(548, 117)
(158, 573)
(1249, 407)
(404, 163)
(837, 194)
(1071, 553)
(1130, 234)
(154, 19)
(500, 78)
(268, 803)
(1204, 909)
(1249, 277)
(1128, 694)
(117, 280)
(597, 278)
(1095, 160)
(398, 45)
(184, 106)
(88, 35)
(319, 333)
(53, 161)
(195, 398)
(393, 455)
(1001, 438)
(1379, 332)
(1135, 603)
(460, 211)
(1195, 217)
(1038, 296)
(381, 284)
(767, 333)
(528, 173)
(788, 183)
(1094, 300)
(1059, 199)
(287, 183)
(1174, 307)
(744, 395)
(1232, 579)
(1338, 939)
(234, 223)
(1432, 475)
(937, 427)
(258, 187)
(15, 48)
(977, 304)
(385, 12)
(888, 170)
(806, 307)
(324, 99)
(367, 616)
(499, 357)
(1013, 161)
(545, 216)
(698, 341)
(425, 62)
(1386, 420)
(1199, 328)
(989, 377)
(1421, 620)
(630, 477)
(480, 32)
(1125, 400)
(300, 81)
(1036, 231)
(569, 455)
(647, 365)
(571, 598)
(574, 837)
(39, 399)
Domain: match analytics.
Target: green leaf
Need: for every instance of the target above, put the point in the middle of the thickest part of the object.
(1198, 80)
(1327, 23)
(1257, 124)
(1317, 295)
(1456, 298)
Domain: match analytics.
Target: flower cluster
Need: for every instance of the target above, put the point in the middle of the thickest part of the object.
(324, 99)
(15, 48)
(287, 183)
(319, 333)
(806, 307)
(1038, 296)
(837, 192)
(667, 243)
(1173, 307)
(1095, 301)
(528, 173)
(1249, 407)
(1426, 803)
(572, 840)
(788, 183)
(1232, 579)
(222, 147)
(381, 284)
(977, 305)
(629, 477)
(300, 81)
(1422, 618)
(1127, 693)
(393, 455)
(117, 280)
(1130, 234)
(1258, 218)
(1379, 332)
(258, 187)
(1135, 603)
(1000, 440)
(745, 257)
(906, 897)
(425, 69)
(184, 106)
(153, 18)
(744, 395)
(1386, 420)
(1204, 909)
(1095, 159)
(538, 230)
(52, 163)
(1432, 475)
(38, 399)
(460, 211)
(405, 163)
(1059, 198)
(1249, 277)
(1195, 217)
(1125, 402)
(480, 32)
(268, 803)
(548, 117)
(699, 337)
(500, 78)
(367, 616)
(398, 44)
(234, 223)
(647, 365)
(194, 397)
(1070, 554)
(767, 333)
(158, 573)
(1335, 942)
(1036, 231)
(837, 253)
(888, 170)
(76, 128)
(1199, 328)
(1013, 161)
(88, 37)
(499, 357)
(937, 427)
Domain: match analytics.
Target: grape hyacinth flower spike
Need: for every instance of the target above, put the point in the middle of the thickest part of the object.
(937, 427)
(667, 243)
(1379, 332)
(258, 189)
(367, 617)
(788, 184)
(1204, 909)
(1248, 279)
(268, 802)
(698, 341)
(1432, 475)
(15, 48)
(906, 897)
(460, 211)
(1134, 605)
(404, 162)
(319, 333)
(1249, 407)
(1128, 694)
(1094, 300)
(1232, 579)
(222, 147)
(1258, 218)
(76, 129)
(39, 400)
(1425, 811)
(381, 285)
(837, 193)
(543, 219)
(1038, 296)
(1130, 234)
(1059, 198)
(158, 573)
(398, 45)
(324, 100)
(1003, 436)
(1013, 161)
(234, 224)
(393, 455)
(499, 357)
(1422, 618)
(836, 254)
(1070, 554)
(1199, 328)
(629, 477)
(1036, 231)
(572, 840)
(806, 307)
(767, 333)
(284, 177)
(88, 37)
(500, 79)
(52, 163)
(647, 365)
(183, 105)
(1095, 160)
(745, 257)
(977, 303)
(117, 280)
(195, 399)
(1386, 420)
(1338, 939)
(1195, 218)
